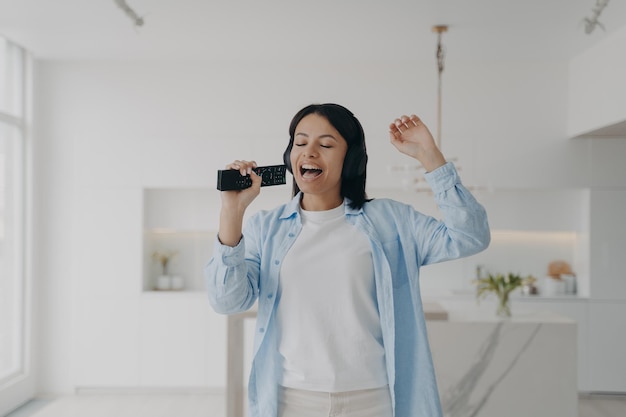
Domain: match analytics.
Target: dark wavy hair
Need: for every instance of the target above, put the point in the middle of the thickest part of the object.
(353, 175)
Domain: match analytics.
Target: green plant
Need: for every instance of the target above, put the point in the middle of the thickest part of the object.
(501, 285)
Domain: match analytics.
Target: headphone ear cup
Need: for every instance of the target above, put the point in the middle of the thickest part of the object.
(348, 164)
(287, 157)
(354, 163)
(362, 164)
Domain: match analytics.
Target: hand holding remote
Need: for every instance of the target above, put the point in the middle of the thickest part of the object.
(235, 203)
(233, 179)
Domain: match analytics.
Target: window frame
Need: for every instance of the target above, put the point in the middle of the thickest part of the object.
(18, 386)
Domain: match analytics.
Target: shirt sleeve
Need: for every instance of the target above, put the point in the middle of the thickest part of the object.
(231, 288)
(464, 228)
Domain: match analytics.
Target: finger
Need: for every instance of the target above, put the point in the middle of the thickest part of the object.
(393, 137)
(233, 165)
(406, 121)
(256, 181)
(393, 130)
(396, 132)
(255, 177)
(238, 165)
(400, 125)
(414, 119)
(244, 167)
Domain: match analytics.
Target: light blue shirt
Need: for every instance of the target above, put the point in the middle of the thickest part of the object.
(402, 240)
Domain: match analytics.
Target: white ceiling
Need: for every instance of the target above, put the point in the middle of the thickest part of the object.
(317, 30)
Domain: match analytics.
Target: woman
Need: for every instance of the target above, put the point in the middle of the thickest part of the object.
(340, 327)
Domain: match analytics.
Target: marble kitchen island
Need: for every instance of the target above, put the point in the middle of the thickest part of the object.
(491, 367)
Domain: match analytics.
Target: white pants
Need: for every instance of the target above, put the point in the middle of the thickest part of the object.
(364, 403)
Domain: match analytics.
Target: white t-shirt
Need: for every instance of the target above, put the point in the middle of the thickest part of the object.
(327, 315)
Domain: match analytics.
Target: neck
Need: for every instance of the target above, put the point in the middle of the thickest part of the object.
(318, 203)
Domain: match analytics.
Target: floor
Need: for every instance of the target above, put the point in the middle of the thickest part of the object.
(207, 405)
(602, 406)
(126, 405)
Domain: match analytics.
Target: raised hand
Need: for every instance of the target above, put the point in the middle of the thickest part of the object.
(411, 137)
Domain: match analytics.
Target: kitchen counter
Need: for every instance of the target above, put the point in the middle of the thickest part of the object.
(485, 366)
(522, 366)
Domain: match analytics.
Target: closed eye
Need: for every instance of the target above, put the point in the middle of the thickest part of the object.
(304, 144)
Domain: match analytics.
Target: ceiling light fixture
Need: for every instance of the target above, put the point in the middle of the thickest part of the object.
(416, 181)
(592, 21)
(137, 20)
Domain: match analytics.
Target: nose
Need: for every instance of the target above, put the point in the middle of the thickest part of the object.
(309, 151)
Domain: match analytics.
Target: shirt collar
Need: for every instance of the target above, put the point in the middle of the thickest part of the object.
(292, 208)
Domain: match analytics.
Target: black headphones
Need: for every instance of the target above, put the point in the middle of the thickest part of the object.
(354, 163)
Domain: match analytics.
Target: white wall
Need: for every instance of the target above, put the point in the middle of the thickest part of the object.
(597, 86)
(108, 130)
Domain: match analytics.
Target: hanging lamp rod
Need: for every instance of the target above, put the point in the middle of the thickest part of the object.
(439, 30)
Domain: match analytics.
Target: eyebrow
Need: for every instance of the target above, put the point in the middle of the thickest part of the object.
(327, 135)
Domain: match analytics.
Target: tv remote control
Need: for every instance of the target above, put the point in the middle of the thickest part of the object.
(231, 179)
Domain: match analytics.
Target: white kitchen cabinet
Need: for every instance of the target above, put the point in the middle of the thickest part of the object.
(179, 339)
(106, 346)
(607, 244)
(607, 346)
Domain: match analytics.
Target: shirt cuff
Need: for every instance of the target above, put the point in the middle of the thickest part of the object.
(443, 178)
(229, 255)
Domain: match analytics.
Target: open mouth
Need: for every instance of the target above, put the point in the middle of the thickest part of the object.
(310, 171)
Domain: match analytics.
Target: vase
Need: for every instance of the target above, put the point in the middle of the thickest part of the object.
(553, 286)
(164, 283)
(503, 310)
(177, 282)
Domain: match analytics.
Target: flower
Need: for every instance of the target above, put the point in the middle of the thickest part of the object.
(164, 257)
(502, 286)
(529, 280)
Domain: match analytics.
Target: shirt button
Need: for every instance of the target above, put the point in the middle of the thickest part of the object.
(261, 330)
(276, 262)
(291, 235)
(270, 295)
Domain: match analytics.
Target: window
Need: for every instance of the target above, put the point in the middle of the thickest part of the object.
(12, 219)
